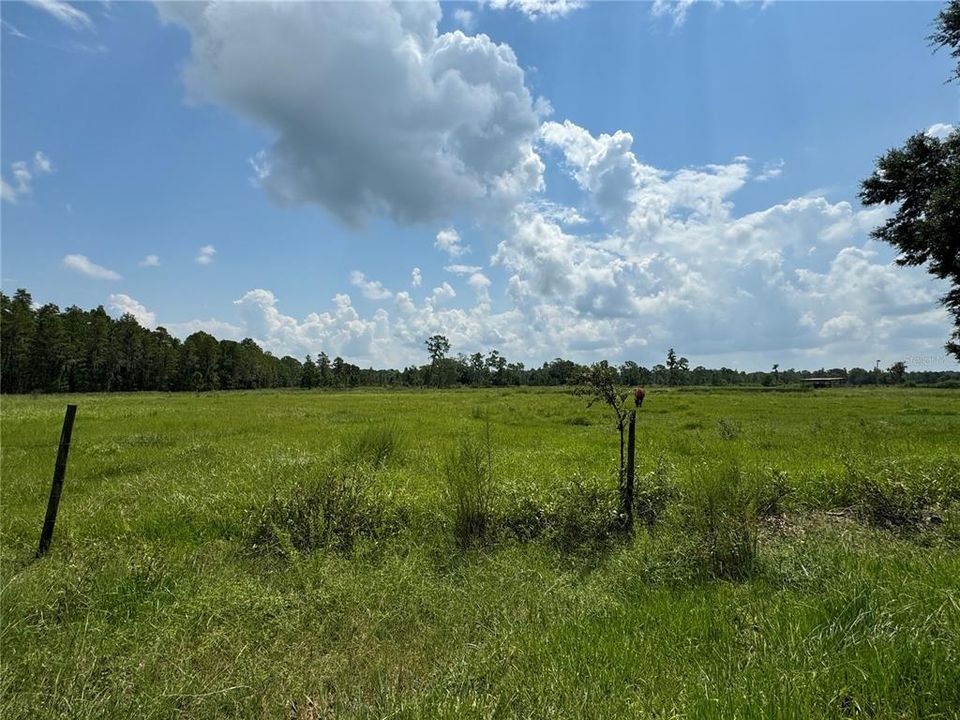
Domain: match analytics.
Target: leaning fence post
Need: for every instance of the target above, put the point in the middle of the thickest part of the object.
(59, 470)
(631, 465)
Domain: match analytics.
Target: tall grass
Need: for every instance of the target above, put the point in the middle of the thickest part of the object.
(468, 470)
(721, 510)
(375, 444)
(332, 511)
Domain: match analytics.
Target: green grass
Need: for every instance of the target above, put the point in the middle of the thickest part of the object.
(156, 600)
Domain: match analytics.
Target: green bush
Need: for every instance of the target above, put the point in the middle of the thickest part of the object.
(652, 493)
(771, 492)
(582, 514)
(569, 515)
(332, 512)
(894, 494)
(728, 429)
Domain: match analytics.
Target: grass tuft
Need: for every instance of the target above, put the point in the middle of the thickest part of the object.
(333, 512)
(375, 445)
(468, 470)
(721, 509)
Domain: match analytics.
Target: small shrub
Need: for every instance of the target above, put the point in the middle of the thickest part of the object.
(468, 469)
(522, 512)
(722, 513)
(652, 493)
(333, 512)
(771, 493)
(894, 495)
(890, 504)
(570, 514)
(583, 514)
(728, 429)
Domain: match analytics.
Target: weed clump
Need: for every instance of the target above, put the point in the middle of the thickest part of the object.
(728, 429)
(654, 491)
(571, 514)
(892, 495)
(885, 499)
(583, 515)
(333, 512)
(771, 493)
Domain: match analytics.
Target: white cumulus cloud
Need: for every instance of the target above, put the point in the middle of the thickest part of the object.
(939, 130)
(465, 18)
(535, 9)
(448, 240)
(371, 289)
(372, 111)
(124, 305)
(82, 265)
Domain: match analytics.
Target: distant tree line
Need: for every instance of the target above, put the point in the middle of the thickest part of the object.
(44, 349)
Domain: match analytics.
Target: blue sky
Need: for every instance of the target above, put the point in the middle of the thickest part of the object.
(587, 181)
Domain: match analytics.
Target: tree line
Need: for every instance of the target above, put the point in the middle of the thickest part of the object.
(44, 349)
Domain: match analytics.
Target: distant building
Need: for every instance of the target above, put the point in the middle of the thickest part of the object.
(825, 381)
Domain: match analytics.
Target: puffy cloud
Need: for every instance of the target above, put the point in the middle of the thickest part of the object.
(41, 163)
(465, 18)
(371, 289)
(385, 338)
(150, 261)
(678, 267)
(480, 284)
(416, 277)
(341, 331)
(205, 255)
(220, 329)
(535, 9)
(627, 192)
(372, 110)
(448, 240)
(124, 304)
(65, 12)
(443, 293)
(846, 324)
(939, 130)
(23, 175)
(82, 265)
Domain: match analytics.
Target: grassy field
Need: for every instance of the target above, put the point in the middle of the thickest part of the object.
(295, 555)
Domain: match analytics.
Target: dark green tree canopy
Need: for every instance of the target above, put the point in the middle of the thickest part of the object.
(947, 33)
(922, 179)
(437, 347)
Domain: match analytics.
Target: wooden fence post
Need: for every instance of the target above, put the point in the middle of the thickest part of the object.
(631, 467)
(59, 471)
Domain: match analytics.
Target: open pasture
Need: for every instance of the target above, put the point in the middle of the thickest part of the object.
(179, 583)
